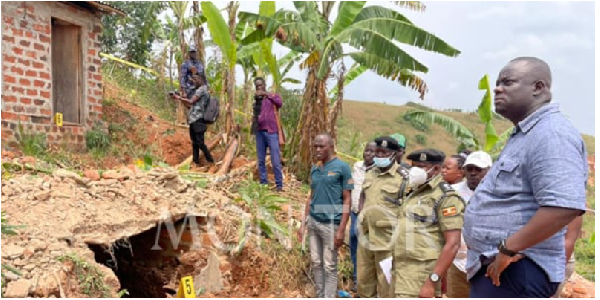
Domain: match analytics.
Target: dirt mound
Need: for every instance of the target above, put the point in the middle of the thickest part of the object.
(578, 287)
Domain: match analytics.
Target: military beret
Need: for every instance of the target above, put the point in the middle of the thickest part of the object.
(387, 142)
(427, 155)
(400, 139)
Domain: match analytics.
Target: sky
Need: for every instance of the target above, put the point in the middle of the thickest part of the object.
(489, 34)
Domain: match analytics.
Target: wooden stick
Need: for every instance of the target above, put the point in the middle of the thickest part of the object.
(229, 156)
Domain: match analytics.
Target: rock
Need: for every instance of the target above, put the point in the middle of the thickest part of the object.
(17, 289)
(19, 262)
(112, 174)
(210, 277)
(29, 267)
(39, 245)
(63, 174)
(12, 251)
(10, 276)
(47, 287)
(28, 252)
(91, 174)
(27, 160)
(42, 195)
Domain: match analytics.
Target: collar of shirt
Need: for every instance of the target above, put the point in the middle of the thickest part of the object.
(528, 123)
(393, 170)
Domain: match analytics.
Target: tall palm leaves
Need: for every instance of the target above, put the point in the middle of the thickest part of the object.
(374, 33)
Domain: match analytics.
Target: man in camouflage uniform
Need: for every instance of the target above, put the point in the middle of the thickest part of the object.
(378, 218)
(429, 224)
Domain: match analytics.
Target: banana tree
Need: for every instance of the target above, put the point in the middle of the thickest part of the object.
(222, 34)
(492, 143)
(371, 30)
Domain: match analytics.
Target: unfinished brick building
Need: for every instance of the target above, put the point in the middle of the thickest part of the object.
(50, 64)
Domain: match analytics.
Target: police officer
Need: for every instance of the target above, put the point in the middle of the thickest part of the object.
(378, 218)
(429, 224)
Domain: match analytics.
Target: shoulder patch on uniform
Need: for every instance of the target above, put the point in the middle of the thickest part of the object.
(449, 211)
(331, 173)
(350, 181)
(446, 187)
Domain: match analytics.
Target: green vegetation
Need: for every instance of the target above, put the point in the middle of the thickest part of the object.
(8, 229)
(32, 144)
(585, 251)
(89, 277)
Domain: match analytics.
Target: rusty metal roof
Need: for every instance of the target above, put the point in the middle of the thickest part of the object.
(101, 6)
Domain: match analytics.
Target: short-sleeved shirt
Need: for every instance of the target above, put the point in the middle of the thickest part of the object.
(544, 163)
(358, 175)
(379, 216)
(197, 110)
(327, 183)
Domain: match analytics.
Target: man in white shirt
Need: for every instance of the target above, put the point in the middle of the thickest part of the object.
(358, 174)
(476, 167)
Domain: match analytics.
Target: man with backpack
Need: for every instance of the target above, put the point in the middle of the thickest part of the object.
(202, 112)
(264, 126)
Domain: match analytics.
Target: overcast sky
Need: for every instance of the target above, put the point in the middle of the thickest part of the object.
(489, 34)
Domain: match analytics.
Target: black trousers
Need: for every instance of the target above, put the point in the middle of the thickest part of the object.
(197, 131)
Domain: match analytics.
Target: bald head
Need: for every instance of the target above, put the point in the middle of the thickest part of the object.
(323, 147)
(326, 138)
(535, 67)
(522, 87)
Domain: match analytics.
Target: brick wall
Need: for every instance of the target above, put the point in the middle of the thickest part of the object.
(27, 70)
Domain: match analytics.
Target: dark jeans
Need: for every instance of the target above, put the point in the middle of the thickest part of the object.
(263, 140)
(523, 279)
(197, 130)
(353, 242)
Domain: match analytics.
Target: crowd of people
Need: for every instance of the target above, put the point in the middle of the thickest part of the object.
(461, 224)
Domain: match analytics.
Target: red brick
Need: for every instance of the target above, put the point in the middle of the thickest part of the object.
(8, 20)
(38, 102)
(24, 82)
(45, 94)
(44, 38)
(38, 65)
(30, 73)
(28, 34)
(45, 112)
(17, 89)
(9, 59)
(25, 100)
(9, 99)
(32, 110)
(32, 54)
(98, 92)
(17, 51)
(25, 43)
(16, 70)
(18, 108)
(29, 8)
(9, 79)
(92, 52)
(17, 32)
(98, 77)
(24, 62)
(9, 116)
(38, 83)
(9, 39)
(32, 92)
(45, 75)
(40, 47)
(91, 36)
(39, 27)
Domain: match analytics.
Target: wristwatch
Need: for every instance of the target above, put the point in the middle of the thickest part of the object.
(502, 248)
(434, 277)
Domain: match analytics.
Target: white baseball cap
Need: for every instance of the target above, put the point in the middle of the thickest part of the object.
(480, 159)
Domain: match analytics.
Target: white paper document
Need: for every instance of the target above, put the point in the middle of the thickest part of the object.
(386, 267)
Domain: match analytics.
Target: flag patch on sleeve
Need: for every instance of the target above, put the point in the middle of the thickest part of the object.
(450, 211)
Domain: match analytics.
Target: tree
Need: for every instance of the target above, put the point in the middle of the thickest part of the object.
(492, 144)
(123, 36)
(371, 30)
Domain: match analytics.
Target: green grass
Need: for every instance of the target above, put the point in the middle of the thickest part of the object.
(89, 277)
(585, 251)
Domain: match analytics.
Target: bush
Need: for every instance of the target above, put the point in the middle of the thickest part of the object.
(421, 139)
(96, 138)
(32, 144)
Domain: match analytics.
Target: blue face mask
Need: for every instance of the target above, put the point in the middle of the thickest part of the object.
(383, 162)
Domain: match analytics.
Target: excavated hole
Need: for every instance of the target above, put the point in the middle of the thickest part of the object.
(143, 272)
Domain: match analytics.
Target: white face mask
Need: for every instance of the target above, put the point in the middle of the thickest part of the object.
(417, 176)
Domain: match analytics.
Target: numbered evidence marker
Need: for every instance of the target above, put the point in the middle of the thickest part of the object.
(186, 288)
(58, 119)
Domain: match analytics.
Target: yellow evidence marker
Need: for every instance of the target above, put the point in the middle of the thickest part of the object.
(186, 288)
(58, 119)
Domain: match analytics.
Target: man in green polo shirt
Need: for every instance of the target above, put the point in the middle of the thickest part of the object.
(326, 214)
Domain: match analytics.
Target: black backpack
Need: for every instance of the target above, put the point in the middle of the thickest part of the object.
(211, 113)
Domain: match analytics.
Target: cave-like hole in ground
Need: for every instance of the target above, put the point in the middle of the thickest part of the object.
(142, 271)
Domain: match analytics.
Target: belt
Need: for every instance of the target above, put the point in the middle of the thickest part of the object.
(485, 260)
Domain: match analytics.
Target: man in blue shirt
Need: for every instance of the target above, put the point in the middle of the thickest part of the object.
(326, 214)
(188, 69)
(515, 222)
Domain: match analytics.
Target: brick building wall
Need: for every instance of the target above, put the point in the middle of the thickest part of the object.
(27, 70)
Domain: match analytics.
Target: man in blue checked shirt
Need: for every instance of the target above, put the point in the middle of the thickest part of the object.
(516, 220)
(188, 69)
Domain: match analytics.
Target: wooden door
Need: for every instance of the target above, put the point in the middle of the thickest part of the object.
(66, 71)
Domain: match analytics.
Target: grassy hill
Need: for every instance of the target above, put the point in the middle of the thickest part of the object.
(364, 121)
